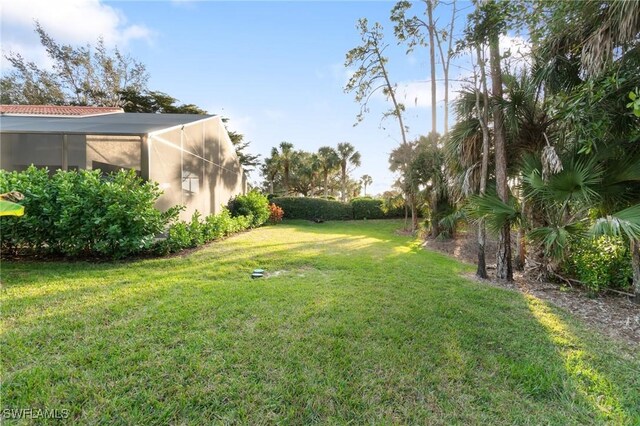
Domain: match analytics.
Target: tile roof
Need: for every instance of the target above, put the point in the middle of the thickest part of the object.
(55, 110)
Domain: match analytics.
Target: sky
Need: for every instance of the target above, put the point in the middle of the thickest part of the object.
(274, 68)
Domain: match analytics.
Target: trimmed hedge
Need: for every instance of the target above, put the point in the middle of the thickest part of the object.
(367, 208)
(183, 235)
(319, 208)
(80, 213)
(313, 208)
(83, 214)
(254, 205)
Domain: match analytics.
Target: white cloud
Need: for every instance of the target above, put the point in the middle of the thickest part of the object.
(70, 22)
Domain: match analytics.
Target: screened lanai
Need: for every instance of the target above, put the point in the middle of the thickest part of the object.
(190, 156)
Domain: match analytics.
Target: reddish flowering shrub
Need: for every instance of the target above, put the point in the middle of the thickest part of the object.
(275, 214)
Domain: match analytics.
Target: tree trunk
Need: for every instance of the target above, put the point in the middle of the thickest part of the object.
(414, 216)
(503, 257)
(343, 194)
(286, 179)
(435, 228)
(326, 185)
(271, 187)
(432, 59)
(521, 249)
(406, 214)
(635, 263)
(483, 118)
(481, 272)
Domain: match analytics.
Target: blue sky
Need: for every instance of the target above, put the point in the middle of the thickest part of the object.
(274, 68)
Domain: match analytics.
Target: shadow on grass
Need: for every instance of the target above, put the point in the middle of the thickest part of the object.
(373, 331)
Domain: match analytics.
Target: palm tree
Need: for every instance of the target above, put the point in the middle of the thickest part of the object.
(304, 173)
(328, 161)
(400, 161)
(347, 154)
(366, 181)
(271, 168)
(286, 155)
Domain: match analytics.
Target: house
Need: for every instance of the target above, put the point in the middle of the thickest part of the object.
(190, 156)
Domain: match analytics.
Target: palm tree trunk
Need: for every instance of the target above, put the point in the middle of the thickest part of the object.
(326, 185)
(414, 216)
(432, 59)
(286, 180)
(520, 243)
(481, 272)
(503, 256)
(635, 263)
(406, 215)
(435, 228)
(483, 118)
(343, 196)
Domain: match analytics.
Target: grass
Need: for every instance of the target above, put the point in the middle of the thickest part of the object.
(355, 325)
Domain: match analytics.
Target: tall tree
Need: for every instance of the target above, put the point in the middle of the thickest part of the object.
(400, 160)
(409, 29)
(271, 168)
(86, 75)
(432, 63)
(490, 18)
(482, 110)
(366, 181)
(329, 162)
(286, 156)
(371, 74)
(347, 155)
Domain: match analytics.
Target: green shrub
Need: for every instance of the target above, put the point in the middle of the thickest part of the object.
(601, 262)
(80, 213)
(313, 208)
(183, 235)
(254, 205)
(367, 208)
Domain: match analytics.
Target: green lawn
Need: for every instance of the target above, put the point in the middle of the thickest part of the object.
(356, 325)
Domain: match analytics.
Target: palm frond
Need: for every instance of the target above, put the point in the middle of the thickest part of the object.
(624, 223)
(555, 239)
(493, 210)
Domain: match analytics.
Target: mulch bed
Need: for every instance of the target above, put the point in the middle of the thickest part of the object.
(613, 314)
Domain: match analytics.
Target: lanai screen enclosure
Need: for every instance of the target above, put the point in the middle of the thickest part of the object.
(190, 156)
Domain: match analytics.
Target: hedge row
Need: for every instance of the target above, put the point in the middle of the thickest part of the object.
(83, 214)
(80, 213)
(242, 212)
(321, 209)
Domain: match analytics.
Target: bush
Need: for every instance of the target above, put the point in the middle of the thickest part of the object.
(313, 208)
(367, 208)
(80, 213)
(276, 214)
(183, 235)
(600, 263)
(254, 205)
